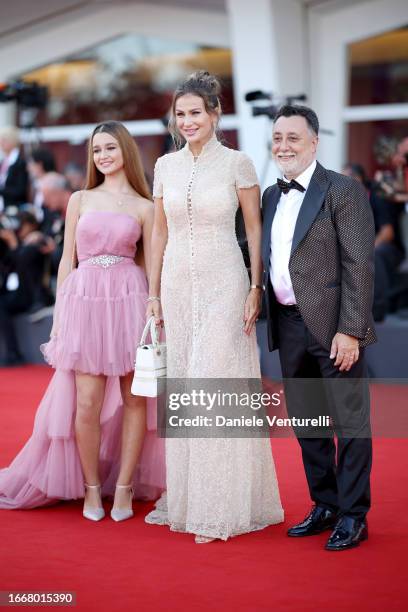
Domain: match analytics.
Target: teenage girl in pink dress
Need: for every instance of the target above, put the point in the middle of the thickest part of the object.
(89, 436)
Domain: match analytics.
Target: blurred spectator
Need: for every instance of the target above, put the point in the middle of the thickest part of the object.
(23, 289)
(400, 162)
(392, 176)
(56, 192)
(389, 251)
(75, 175)
(40, 162)
(13, 170)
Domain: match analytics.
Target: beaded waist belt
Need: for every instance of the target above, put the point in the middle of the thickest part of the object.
(105, 261)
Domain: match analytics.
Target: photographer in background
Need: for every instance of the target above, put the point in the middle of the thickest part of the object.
(40, 161)
(23, 263)
(13, 170)
(56, 192)
(75, 175)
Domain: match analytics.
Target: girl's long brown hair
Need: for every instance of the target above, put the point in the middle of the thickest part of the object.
(132, 163)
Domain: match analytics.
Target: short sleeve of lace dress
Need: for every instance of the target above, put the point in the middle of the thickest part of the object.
(245, 173)
(157, 181)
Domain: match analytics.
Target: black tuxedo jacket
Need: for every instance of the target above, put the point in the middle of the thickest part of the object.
(15, 189)
(331, 265)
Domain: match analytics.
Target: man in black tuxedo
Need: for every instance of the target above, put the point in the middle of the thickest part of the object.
(318, 253)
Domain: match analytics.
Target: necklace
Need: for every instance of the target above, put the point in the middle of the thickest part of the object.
(122, 194)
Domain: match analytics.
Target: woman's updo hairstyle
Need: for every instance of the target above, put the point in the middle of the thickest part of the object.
(200, 83)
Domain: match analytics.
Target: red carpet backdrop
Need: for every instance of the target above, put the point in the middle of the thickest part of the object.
(134, 566)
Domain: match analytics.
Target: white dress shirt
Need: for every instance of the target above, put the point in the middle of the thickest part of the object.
(283, 227)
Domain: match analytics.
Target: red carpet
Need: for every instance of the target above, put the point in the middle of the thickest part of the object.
(133, 566)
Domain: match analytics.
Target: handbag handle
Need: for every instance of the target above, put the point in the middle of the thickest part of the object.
(152, 327)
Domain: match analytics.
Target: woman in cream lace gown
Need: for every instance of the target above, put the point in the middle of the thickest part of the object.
(219, 487)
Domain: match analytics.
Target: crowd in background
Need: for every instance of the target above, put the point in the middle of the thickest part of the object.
(33, 202)
(388, 197)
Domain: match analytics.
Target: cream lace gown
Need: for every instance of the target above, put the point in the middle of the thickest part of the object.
(215, 487)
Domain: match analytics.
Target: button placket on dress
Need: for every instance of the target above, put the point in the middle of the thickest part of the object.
(194, 276)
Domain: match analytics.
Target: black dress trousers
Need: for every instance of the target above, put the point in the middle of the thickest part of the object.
(313, 387)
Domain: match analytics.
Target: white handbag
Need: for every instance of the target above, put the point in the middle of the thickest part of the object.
(150, 364)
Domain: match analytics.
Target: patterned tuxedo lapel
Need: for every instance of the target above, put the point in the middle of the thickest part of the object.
(312, 203)
(269, 209)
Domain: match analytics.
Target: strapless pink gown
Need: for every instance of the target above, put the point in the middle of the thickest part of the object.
(101, 315)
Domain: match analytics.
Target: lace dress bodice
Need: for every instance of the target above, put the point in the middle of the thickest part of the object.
(204, 275)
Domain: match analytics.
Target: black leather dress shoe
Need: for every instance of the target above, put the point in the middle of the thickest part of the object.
(348, 533)
(319, 519)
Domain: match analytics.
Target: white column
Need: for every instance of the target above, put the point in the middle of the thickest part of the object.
(329, 91)
(7, 114)
(267, 41)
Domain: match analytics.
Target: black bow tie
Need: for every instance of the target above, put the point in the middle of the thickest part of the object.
(286, 187)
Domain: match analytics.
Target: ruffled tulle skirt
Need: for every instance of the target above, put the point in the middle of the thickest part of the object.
(48, 468)
(100, 317)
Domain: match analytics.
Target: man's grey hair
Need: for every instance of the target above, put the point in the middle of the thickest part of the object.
(54, 180)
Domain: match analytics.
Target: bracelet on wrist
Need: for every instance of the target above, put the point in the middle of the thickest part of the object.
(261, 287)
(153, 298)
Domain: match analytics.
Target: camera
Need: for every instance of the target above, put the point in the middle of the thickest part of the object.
(28, 95)
(269, 110)
(9, 222)
(30, 98)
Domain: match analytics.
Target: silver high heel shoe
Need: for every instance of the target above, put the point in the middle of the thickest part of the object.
(93, 514)
(200, 539)
(121, 514)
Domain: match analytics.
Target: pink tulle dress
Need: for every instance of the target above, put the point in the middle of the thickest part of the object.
(100, 317)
